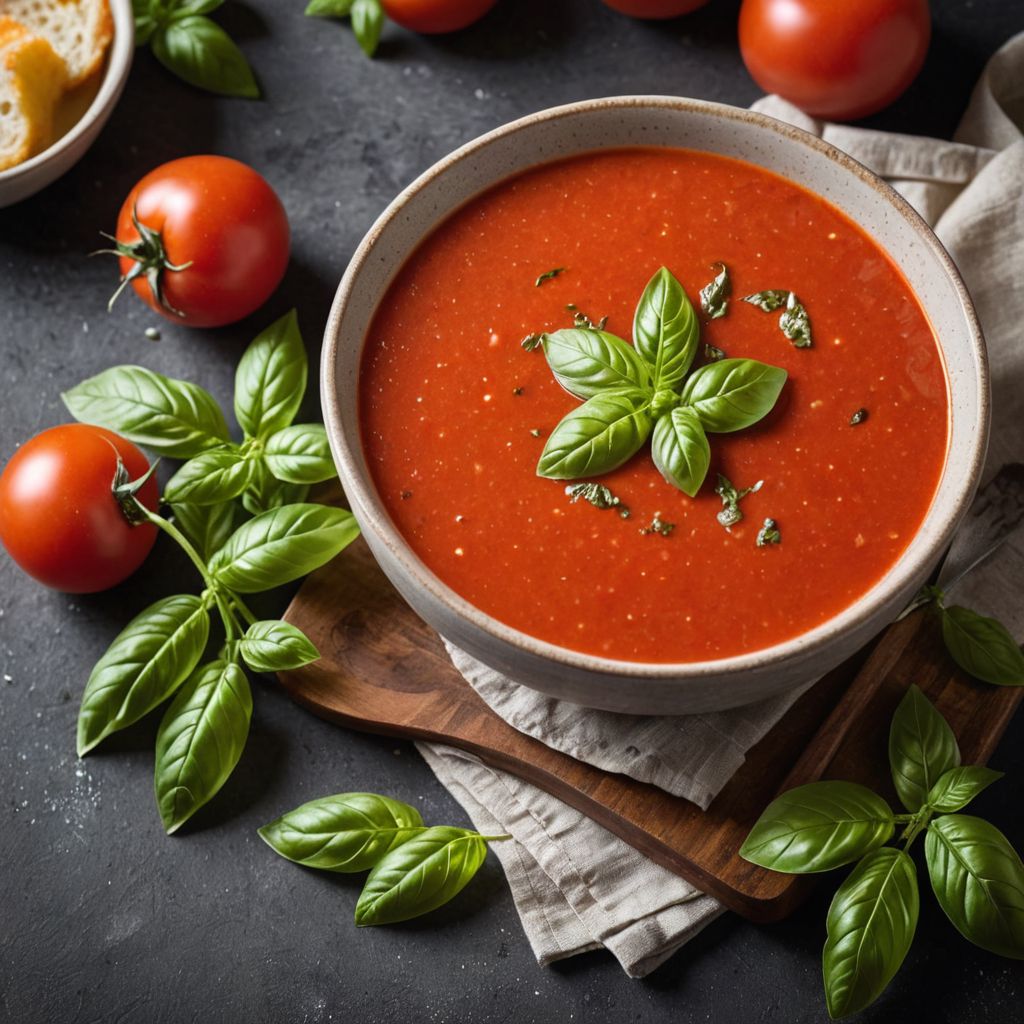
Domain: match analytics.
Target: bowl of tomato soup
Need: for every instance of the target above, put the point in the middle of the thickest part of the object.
(508, 463)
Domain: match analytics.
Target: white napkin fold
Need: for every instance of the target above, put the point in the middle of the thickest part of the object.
(578, 887)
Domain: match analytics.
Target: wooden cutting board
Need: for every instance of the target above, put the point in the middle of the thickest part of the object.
(382, 669)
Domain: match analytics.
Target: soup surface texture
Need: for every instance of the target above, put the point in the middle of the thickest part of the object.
(454, 412)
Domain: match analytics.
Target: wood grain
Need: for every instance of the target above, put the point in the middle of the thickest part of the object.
(384, 670)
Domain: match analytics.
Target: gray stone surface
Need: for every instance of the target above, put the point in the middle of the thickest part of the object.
(103, 918)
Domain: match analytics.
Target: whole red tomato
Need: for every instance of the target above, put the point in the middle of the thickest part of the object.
(839, 59)
(204, 240)
(59, 519)
(655, 8)
(435, 16)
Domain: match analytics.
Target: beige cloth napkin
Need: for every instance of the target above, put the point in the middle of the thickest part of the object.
(576, 886)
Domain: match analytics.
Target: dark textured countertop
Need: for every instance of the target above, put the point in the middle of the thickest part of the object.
(102, 917)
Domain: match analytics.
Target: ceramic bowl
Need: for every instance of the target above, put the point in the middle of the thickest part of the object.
(25, 179)
(658, 121)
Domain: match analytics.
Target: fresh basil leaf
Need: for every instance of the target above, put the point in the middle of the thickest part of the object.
(367, 23)
(185, 8)
(206, 526)
(769, 300)
(281, 545)
(217, 475)
(680, 450)
(714, 296)
(169, 416)
(922, 748)
(266, 492)
(587, 362)
(273, 646)
(300, 454)
(732, 394)
(348, 832)
(202, 736)
(959, 786)
(598, 436)
(422, 874)
(201, 53)
(818, 827)
(982, 647)
(149, 659)
(271, 379)
(147, 18)
(795, 324)
(978, 879)
(665, 330)
(329, 8)
(871, 924)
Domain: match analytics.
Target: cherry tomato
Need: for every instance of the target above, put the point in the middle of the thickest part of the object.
(839, 59)
(436, 16)
(59, 519)
(213, 243)
(655, 8)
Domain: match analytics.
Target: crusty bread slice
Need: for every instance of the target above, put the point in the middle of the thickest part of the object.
(32, 80)
(79, 30)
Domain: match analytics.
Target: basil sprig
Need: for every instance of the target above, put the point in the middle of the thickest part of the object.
(160, 653)
(977, 877)
(983, 647)
(414, 869)
(194, 47)
(366, 16)
(631, 390)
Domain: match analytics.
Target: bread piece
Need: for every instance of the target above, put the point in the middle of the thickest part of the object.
(32, 80)
(79, 30)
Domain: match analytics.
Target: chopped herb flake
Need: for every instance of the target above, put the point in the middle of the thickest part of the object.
(769, 534)
(406, 495)
(794, 323)
(532, 341)
(582, 320)
(535, 432)
(517, 392)
(598, 495)
(658, 525)
(858, 417)
(714, 296)
(731, 498)
(548, 275)
(712, 353)
(769, 300)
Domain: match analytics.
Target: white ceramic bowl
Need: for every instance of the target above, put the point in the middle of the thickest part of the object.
(25, 179)
(661, 121)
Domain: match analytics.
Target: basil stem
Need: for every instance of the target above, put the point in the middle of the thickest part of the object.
(548, 275)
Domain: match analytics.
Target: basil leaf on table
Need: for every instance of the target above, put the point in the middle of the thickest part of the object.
(732, 394)
(817, 827)
(982, 647)
(281, 545)
(959, 786)
(714, 296)
(172, 417)
(420, 875)
(148, 660)
(201, 738)
(348, 832)
(300, 454)
(367, 22)
(206, 526)
(680, 450)
(598, 436)
(871, 924)
(201, 53)
(273, 646)
(183, 8)
(147, 20)
(329, 8)
(978, 880)
(271, 379)
(586, 362)
(922, 748)
(217, 475)
(665, 330)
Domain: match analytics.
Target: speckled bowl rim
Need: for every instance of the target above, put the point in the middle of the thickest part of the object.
(911, 563)
(119, 64)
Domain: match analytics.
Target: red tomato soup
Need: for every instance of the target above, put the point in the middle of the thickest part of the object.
(455, 413)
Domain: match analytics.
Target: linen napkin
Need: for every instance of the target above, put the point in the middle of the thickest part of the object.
(576, 886)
